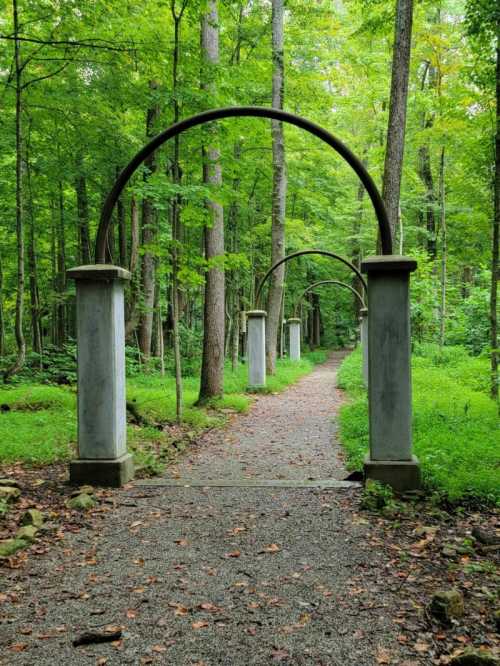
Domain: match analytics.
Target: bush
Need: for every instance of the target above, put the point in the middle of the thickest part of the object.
(455, 423)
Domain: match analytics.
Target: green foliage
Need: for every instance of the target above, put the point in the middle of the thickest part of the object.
(455, 423)
(376, 496)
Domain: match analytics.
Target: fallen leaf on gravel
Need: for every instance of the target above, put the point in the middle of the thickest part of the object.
(212, 608)
(159, 648)
(272, 548)
(235, 553)
(383, 656)
(131, 614)
(181, 542)
(179, 609)
(199, 625)
(135, 524)
(279, 655)
(101, 661)
(18, 647)
(421, 647)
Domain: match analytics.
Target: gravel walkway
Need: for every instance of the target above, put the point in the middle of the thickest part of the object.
(231, 575)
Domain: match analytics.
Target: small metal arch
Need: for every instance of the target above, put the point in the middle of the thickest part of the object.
(242, 111)
(321, 282)
(300, 254)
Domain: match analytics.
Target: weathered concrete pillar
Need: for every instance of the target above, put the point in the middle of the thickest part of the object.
(256, 348)
(389, 372)
(363, 330)
(294, 326)
(100, 324)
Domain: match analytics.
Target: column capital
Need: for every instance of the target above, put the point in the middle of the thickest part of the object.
(256, 314)
(293, 320)
(97, 272)
(384, 263)
(363, 312)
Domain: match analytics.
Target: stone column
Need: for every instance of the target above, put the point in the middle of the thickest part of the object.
(100, 325)
(363, 330)
(389, 373)
(256, 348)
(294, 326)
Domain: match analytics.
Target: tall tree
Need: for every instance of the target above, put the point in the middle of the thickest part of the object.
(19, 333)
(275, 294)
(149, 231)
(212, 366)
(483, 23)
(393, 166)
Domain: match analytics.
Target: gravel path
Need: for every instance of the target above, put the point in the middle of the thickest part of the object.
(206, 576)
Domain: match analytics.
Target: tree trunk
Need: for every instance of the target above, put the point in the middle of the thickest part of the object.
(61, 271)
(176, 215)
(82, 205)
(275, 293)
(122, 230)
(36, 328)
(132, 315)
(149, 232)
(316, 321)
(444, 249)
(495, 238)
(212, 367)
(356, 245)
(425, 170)
(19, 334)
(393, 165)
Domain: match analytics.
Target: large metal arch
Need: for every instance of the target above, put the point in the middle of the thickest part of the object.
(232, 112)
(301, 253)
(322, 282)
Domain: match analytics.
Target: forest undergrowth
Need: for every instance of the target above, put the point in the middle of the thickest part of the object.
(455, 423)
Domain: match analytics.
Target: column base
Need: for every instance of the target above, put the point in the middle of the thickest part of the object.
(112, 473)
(401, 475)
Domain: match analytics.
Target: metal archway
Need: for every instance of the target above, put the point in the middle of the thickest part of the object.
(321, 282)
(232, 112)
(301, 253)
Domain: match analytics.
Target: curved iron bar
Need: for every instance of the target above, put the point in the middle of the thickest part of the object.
(321, 282)
(232, 112)
(300, 254)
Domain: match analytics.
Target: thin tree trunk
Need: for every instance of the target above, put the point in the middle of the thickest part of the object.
(176, 215)
(275, 293)
(356, 245)
(149, 231)
(36, 328)
(61, 271)
(122, 229)
(82, 204)
(19, 334)
(393, 165)
(495, 239)
(212, 367)
(444, 249)
(132, 316)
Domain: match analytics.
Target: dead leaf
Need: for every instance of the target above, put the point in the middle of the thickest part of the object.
(383, 656)
(181, 542)
(159, 648)
(235, 553)
(201, 624)
(272, 548)
(18, 647)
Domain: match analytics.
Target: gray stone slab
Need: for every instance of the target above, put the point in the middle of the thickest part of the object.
(246, 483)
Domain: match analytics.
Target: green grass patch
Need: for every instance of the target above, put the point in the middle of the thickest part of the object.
(38, 421)
(455, 424)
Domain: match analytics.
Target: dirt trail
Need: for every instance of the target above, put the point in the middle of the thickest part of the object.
(235, 575)
(289, 435)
